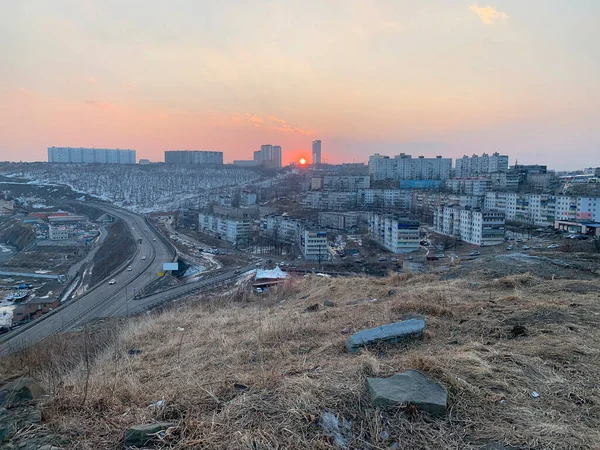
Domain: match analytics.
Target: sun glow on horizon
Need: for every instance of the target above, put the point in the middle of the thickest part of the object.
(302, 161)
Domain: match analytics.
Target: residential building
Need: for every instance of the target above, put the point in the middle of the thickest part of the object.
(420, 184)
(144, 162)
(233, 230)
(248, 198)
(339, 220)
(33, 309)
(341, 182)
(469, 185)
(544, 209)
(405, 167)
(59, 233)
(475, 226)
(476, 166)
(269, 156)
(246, 163)
(395, 233)
(90, 155)
(313, 244)
(193, 157)
(316, 153)
(329, 200)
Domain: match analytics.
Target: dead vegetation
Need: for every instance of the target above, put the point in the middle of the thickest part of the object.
(258, 372)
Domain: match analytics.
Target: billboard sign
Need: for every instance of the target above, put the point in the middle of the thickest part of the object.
(170, 266)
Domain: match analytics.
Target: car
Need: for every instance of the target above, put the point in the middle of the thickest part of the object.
(257, 264)
(394, 260)
(113, 281)
(129, 269)
(236, 271)
(382, 258)
(526, 247)
(143, 257)
(553, 246)
(153, 239)
(510, 247)
(474, 254)
(441, 255)
(539, 246)
(519, 240)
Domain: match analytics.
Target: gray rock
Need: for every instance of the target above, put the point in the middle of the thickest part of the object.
(139, 435)
(411, 387)
(12, 420)
(20, 391)
(392, 333)
(328, 303)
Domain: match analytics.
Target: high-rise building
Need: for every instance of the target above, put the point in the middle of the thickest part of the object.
(405, 167)
(90, 155)
(475, 165)
(269, 155)
(316, 152)
(193, 157)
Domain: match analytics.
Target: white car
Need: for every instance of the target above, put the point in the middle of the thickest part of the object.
(129, 269)
(143, 257)
(113, 281)
(553, 246)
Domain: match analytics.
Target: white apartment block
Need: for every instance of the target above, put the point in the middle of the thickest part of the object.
(405, 167)
(480, 165)
(339, 220)
(396, 234)
(483, 228)
(232, 230)
(90, 155)
(345, 182)
(58, 233)
(378, 198)
(469, 185)
(329, 200)
(543, 209)
(313, 244)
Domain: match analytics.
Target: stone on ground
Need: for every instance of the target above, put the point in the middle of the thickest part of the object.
(391, 333)
(20, 391)
(411, 387)
(140, 435)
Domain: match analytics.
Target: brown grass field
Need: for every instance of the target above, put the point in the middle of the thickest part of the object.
(257, 372)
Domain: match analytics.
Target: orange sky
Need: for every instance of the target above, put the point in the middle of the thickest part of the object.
(432, 77)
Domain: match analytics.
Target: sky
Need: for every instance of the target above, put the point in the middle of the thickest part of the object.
(432, 77)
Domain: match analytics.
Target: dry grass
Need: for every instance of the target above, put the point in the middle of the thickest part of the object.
(294, 367)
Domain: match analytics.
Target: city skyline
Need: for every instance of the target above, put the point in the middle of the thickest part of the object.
(447, 78)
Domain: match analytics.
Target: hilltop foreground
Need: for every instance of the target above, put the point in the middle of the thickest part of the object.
(240, 371)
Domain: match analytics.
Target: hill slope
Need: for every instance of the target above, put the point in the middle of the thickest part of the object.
(261, 372)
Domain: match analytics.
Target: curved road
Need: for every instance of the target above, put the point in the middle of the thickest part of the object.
(103, 300)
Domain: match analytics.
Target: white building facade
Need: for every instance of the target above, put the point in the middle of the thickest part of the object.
(479, 227)
(405, 167)
(232, 230)
(396, 234)
(475, 165)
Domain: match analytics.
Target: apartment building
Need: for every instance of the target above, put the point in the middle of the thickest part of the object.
(90, 155)
(340, 220)
(59, 233)
(384, 198)
(193, 157)
(475, 226)
(395, 233)
(269, 156)
(543, 209)
(313, 244)
(475, 165)
(405, 167)
(234, 230)
(329, 200)
(469, 185)
(345, 182)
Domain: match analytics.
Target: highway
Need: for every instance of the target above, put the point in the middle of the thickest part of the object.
(103, 300)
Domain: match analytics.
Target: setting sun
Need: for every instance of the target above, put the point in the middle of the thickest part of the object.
(302, 161)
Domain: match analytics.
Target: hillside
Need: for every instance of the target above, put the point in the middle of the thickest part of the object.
(240, 371)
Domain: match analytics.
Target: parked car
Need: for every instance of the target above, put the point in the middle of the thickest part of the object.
(510, 247)
(553, 246)
(382, 258)
(394, 260)
(474, 254)
(526, 247)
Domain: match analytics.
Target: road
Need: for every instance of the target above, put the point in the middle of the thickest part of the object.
(104, 299)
